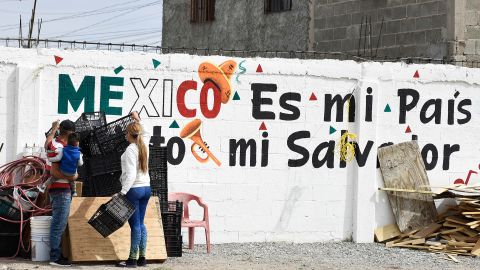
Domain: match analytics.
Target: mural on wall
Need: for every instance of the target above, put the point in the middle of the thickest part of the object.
(192, 131)
(215, 90)
(243, 71)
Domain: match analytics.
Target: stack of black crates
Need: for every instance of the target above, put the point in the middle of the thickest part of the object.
(102, 146)
(171, 211)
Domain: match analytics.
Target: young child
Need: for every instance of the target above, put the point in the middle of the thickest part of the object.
(70, 158)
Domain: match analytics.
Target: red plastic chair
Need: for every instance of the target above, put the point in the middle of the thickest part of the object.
(191, 224)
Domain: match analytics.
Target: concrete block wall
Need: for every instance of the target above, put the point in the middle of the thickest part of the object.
(411, 27)
(469, 40)
(238, 25)
(303, 194)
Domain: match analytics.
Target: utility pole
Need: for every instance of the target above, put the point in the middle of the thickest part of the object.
(20, 38)
(32, 20)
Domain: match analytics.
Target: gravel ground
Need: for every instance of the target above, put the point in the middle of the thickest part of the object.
(343, 255)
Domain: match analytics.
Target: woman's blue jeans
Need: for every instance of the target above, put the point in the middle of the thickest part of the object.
(139, 197)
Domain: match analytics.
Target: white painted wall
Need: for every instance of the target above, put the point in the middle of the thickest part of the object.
(276, 202)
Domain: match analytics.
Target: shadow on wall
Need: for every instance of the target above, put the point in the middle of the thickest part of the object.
(287, 210)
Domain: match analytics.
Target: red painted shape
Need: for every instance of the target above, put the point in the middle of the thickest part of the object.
(408, 130)
(461, 182)
(313, 97)
(58, 59)
(217, 100)
(468, 176)
(263, 126)
(416, 75)
(182, 90)
(259, 68)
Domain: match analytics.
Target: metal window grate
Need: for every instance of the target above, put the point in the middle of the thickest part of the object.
(202, 11)
(277, 5)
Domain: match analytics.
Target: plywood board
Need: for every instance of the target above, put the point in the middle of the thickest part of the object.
(402, 167)
(86, 244)
(476, 249)
(387, 232)
(427, 230)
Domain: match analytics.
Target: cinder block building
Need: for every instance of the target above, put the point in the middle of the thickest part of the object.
(440, 29)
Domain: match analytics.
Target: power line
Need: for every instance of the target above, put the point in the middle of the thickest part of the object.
(108, 19)
(116, 25)
(128, 35)
(116, 32)
(94, 12)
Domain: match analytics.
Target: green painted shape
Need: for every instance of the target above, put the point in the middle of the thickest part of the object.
(118, 69)
(67, 93)
(236, 96)
(106, 94)
(156, 63)
(387, 108)
(174, 124)
(332, 130)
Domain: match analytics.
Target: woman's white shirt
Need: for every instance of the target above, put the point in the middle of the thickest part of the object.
(132, 176)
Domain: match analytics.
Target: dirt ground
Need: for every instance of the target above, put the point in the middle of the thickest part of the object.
(341, 255)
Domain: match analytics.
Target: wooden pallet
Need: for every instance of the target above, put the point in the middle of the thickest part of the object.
(87, 245)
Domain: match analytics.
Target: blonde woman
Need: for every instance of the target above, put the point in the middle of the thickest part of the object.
(136, 186)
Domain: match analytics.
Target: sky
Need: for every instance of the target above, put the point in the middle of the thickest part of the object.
(110, 21)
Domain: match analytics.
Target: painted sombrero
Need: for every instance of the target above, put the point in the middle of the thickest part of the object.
(219, 75)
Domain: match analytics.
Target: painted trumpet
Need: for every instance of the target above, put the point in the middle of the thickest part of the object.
(192, 131)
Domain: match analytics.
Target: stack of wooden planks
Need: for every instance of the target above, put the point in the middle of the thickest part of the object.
(456, 232)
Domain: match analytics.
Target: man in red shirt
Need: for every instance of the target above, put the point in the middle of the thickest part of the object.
(59, 191)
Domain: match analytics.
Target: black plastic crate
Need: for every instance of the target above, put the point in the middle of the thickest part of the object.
(8, 210)
(174, 246)
(106, 184)
(104, 164)
(50, 130)
(82, 170)
(157, 158)
(162, 198)
(112, 215)
(87, 187)
(9, 243)
(111, 137)
(89, 121)
(9, 227)
(172, 218)
(174, 207)
(158, 178)
(89, 146)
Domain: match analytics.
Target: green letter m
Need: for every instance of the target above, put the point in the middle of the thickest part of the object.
(67, 93)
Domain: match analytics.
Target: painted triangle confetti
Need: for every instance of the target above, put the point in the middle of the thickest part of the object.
(408, 130)
(58, 59)
(332, 130)
(313, 97)
(416, 75)
(387, 108)
(263, 126)
(174, 124)
(236, 96)
(118, 69)
(259, 68)
(156, 63)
